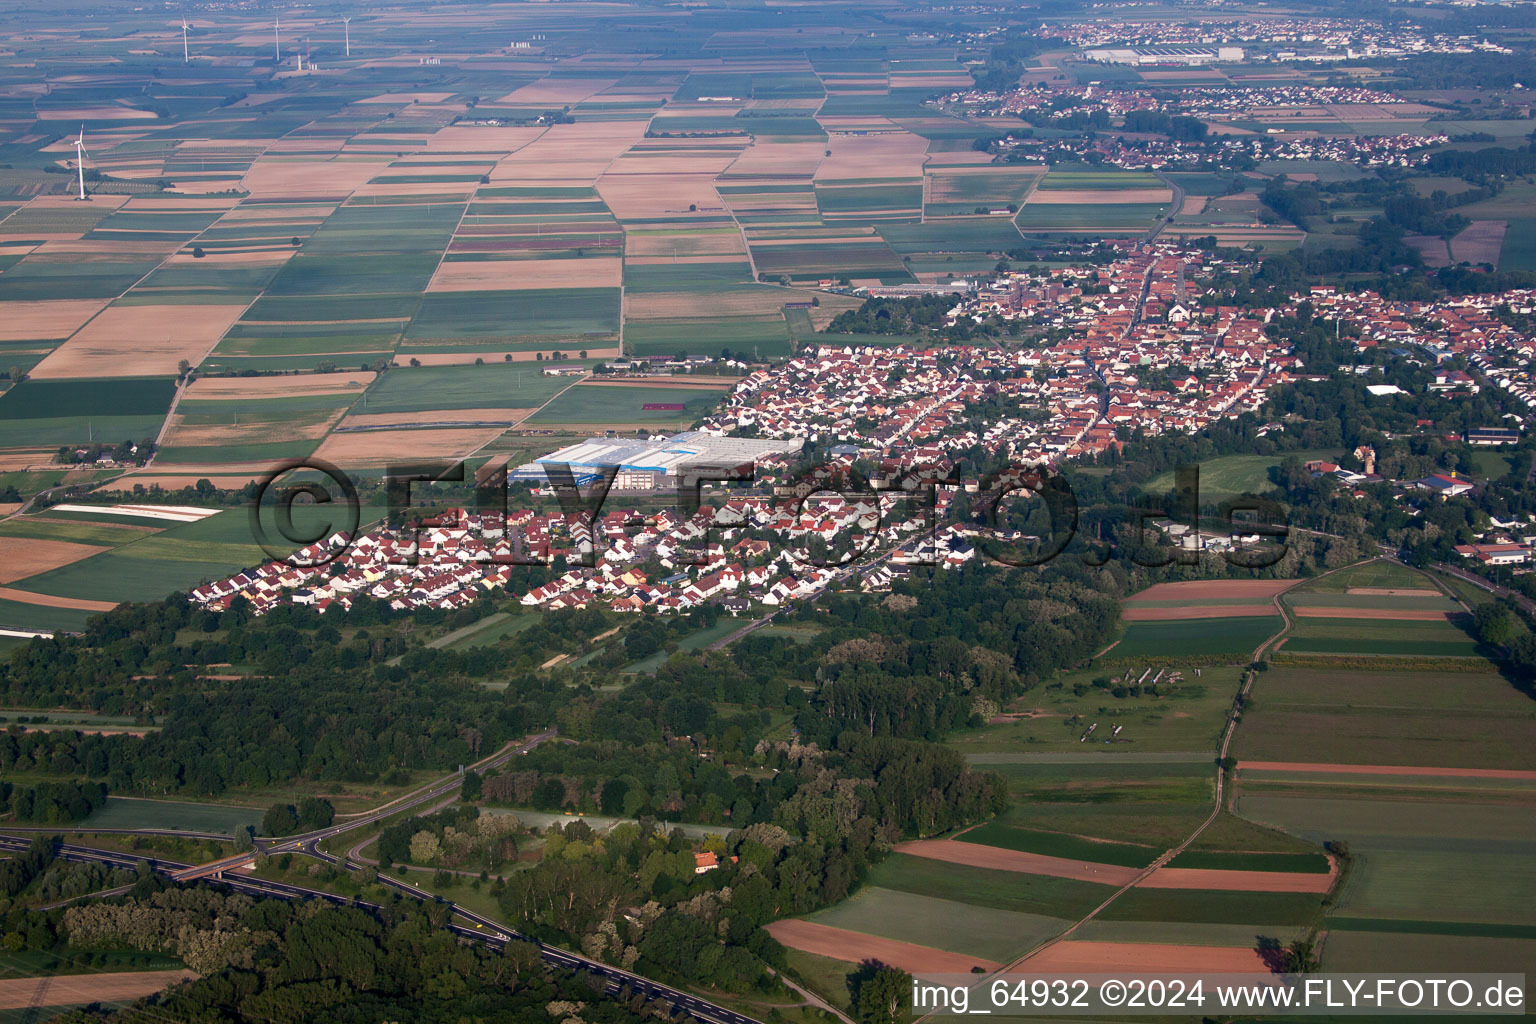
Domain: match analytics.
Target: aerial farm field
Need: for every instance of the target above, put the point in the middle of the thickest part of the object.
(423, 235)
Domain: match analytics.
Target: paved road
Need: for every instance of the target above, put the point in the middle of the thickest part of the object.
(447, 786)
(1477, 581)
(1173, 209)
(471, 925)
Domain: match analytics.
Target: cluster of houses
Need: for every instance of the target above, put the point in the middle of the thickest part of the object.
(1471, 327)
(1152, 153)
(749, 550)
(1346, 36)
(1142, 350)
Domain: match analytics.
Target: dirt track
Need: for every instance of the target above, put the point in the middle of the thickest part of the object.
(1389, 769)
(69, 989)
(856, 947)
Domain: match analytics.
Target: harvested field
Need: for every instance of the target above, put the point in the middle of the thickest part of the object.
(1195, 589)
(1479, 242)
(666, 191)
(405, 98)
(1143, 958)
(278, 178)
(700, 243)
(746, 301)
(555, 92)
(512, 275)
(787, 158)
(49, 601)
(1194, 205)
(1207, 611)
(21, 557)
(1092, 196)
(139, 341)
(70, 989)
(288, 386)
(50, 318)
(1389, 769)
(856, 947)
(1402, 614)
(1431, 249)
(379, 447)
(975, 855)
(874, 156)
(1238, 881)
(569, 153)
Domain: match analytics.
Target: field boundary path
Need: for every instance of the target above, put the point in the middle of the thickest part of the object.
(1228, 731)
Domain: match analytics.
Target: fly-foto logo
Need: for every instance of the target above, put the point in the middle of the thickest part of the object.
(820, 516)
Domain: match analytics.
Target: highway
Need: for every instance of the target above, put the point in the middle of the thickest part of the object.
(478, 928)
(304, 842)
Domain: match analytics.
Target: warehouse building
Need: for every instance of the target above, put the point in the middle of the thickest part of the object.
(1176, 56)
(658, 463)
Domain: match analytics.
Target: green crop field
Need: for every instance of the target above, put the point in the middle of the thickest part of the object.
(1150, 822)
(1067, 217)
(1061, 844)
(953, 235)
(984, 887)
(1379, 574)
(1237, 637)
(1227, 476)
(1431, 864)
(1379, 637)
(1216, 907)
(1301, 863)
(1458, 720)
(490, 386)
(126, 812)
(707, 337)
(1519, 249)
(1190, 933)
(574, 313)
(667, 277)
(1397, 952)
(47, 399)
(603, 404)
(984, 932)
(1067, 176)
(181, 556)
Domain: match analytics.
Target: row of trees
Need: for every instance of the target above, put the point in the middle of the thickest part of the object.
(52, 803)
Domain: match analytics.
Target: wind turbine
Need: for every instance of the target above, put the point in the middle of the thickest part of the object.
(346, 30)
(80, 160)
(186, 58)
(277, 47)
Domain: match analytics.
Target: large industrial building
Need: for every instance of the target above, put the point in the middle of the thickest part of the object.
(658, 463)
(1178, 56)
